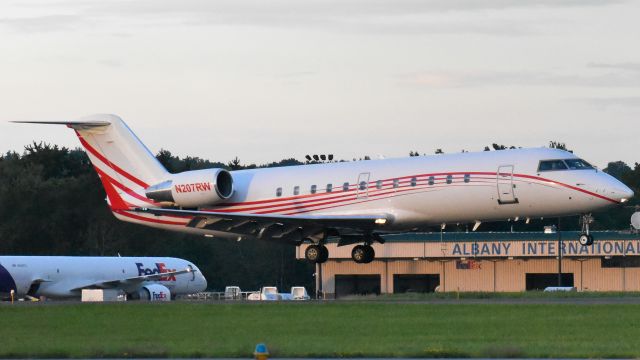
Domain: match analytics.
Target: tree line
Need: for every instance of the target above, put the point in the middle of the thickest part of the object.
(52, 203)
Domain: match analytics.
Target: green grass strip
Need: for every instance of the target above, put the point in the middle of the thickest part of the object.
(331, 329)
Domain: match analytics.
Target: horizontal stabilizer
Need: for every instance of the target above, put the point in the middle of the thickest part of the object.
(78, 125)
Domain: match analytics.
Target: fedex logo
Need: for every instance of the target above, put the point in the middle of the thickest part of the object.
(159, 269)
(159, 296)
(187, 188)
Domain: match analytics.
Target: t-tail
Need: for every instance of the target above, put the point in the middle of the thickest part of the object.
(125, 166)
(133, 178)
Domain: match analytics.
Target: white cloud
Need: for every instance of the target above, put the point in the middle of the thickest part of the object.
(264, 80)
(374, 16)
(447, 79)
(628, 66)
(604, 103)
(45, 23)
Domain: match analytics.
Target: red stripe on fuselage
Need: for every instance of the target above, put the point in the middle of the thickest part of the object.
(567, 186)
(320, 199)
(381, 193)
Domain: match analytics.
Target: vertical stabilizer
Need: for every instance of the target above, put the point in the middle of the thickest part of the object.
(117, 150)
(125, 166)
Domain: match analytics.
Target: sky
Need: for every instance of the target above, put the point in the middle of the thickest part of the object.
(267, 80)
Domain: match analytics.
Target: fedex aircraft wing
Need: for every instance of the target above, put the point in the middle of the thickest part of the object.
(356, 201)
(67, 276)
(135, 280)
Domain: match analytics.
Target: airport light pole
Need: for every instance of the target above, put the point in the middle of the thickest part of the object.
(559, 254)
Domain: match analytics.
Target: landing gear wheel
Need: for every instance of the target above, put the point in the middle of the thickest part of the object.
(324, 254)
(316, 254)
(359, 254)
(585, 239)
(371, 254)
(363, 254)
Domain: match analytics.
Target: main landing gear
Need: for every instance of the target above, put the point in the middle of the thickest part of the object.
(363, 254)
(316, 254)
(585, 238)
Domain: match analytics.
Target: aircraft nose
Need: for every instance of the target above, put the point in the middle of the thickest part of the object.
(625, 194)
(616, 189)
(202, 283)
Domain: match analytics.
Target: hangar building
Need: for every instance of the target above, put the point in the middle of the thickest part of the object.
(487, 262)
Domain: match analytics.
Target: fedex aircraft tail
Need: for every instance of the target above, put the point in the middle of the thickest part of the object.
(125, 166)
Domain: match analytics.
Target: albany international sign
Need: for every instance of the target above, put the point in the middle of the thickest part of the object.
(532, 248)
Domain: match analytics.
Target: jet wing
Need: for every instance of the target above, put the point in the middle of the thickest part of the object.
(273, 226)
(108, 284)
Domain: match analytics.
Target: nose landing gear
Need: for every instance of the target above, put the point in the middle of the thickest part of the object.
(586, 239)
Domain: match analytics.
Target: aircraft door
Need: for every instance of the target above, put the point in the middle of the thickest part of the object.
(362, 189)
(504, 179)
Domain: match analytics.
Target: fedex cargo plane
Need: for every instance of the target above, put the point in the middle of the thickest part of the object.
(356, 201)
(66, 276)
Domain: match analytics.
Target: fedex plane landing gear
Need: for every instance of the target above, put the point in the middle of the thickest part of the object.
(586, 239)
(363, 254)
(316, 254)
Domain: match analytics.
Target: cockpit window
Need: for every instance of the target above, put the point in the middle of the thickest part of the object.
(552, 165)
(578, 164)
(567, 164)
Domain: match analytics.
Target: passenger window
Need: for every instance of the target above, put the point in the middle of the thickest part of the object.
(279, 192)
(345, 186)
(296, 190)
(379, 184)
(552, 165)
(449, 179)
(414, 181)
(329, 187)
(467, 178)
(578, 164)
(363, 185)
(432, 180)
(396, 183)
(313, 189)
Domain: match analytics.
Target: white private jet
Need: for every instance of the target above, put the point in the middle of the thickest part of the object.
(356, 201)
(66, 276)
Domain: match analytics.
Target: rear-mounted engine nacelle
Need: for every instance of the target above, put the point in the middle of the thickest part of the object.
(193, 188)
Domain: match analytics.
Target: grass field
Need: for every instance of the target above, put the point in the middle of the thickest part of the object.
(524, 295)
(329, 329)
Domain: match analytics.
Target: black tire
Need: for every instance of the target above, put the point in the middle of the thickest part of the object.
(584, 240)
(371, 254)
(590, 242)
(313, 253)
(324, 254)
(359, 254)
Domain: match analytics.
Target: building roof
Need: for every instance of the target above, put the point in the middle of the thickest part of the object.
(504, 236)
